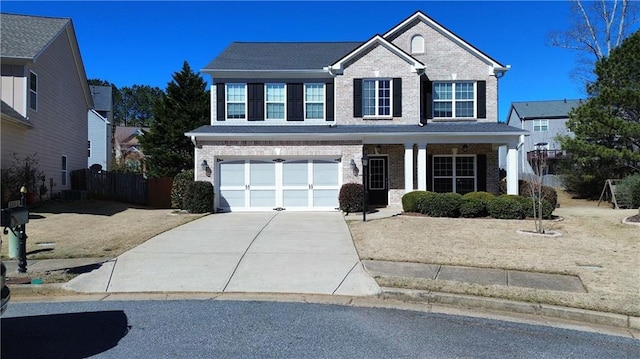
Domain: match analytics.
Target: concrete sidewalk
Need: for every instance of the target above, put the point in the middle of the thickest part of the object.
(276, 252)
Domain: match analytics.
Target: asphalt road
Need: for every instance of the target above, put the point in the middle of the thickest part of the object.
(244, 329)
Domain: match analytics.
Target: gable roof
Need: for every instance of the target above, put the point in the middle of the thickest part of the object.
(377, 40)
(283, 56)
(553, 109)
(25, 37)
(420, 16)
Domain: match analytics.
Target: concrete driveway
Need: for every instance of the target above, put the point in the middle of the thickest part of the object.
(272, 252)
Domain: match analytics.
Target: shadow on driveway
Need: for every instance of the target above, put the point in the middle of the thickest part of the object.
(69, 335)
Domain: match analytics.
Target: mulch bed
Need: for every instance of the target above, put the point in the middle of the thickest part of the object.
(635, 219)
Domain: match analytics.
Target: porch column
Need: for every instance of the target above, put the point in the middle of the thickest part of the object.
(422, 166)
(512, 169)
(408, 167)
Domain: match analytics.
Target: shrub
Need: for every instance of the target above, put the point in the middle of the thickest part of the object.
(199, 197)
(410, 201)
(350, 197)
(179, 189)
(547, 208)
(628, 192)
(474, 204)
(507, 206)
(524, 189)
(440, 204)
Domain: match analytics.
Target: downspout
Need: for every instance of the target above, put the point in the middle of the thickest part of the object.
(195, 158)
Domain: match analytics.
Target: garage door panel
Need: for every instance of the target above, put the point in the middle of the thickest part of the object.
(295, 173)
(232, 198)
(295, 198)
(325, 198)
(325, 173)
(232, 174)
(262, 173)
(262, 198)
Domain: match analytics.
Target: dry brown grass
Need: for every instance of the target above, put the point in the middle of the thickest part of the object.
(93, 228)
(594, 245)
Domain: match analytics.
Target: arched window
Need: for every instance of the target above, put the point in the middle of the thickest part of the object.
(417, 44)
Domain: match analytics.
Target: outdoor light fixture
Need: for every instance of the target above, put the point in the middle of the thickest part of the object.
(354, 167)
(205, 167)
(365, 175)
(465, 148)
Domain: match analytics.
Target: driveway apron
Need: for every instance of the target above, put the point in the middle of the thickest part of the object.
(257, 252)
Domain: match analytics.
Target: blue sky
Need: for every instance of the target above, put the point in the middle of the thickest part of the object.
(145, 42)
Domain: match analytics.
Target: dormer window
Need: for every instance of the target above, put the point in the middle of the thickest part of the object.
(417, 44)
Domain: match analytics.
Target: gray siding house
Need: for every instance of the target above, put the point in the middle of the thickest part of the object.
(291, 122)
(45, 96)
(100, 118)
(544, 121)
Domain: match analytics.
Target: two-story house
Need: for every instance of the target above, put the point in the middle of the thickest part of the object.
(45, 96)
(291, 122)
(545, 121)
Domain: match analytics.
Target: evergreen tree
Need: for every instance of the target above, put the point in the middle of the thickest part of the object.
(607, 126)
(183, 107)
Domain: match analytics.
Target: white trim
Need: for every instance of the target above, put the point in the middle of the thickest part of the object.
(408, 167)
(497, 67)
(377, 98)
(226, 102)
(283, 102)
(422, 166)
(324, 101)
(377, 40)
(30, 91)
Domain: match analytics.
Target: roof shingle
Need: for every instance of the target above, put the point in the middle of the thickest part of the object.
(545, 109)
(25, 36)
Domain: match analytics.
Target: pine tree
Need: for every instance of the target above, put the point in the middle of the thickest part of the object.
(183, 107)
(607, 126)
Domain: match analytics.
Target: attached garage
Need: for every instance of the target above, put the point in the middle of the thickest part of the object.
(259, 184)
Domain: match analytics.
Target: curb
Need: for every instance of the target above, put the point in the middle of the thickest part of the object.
(26, 292)
(503, 305)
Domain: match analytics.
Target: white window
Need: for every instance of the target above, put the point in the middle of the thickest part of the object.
(33, 91)
(64, 171)
(376, 98)
(453, 99)
(236, 101)
(275, 101)
(454, 174)
(540, 125)
(313, 101)
(417, 44)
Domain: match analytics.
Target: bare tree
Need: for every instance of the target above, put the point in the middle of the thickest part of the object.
(593, 30)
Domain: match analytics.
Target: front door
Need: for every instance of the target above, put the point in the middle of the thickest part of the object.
(378, 181)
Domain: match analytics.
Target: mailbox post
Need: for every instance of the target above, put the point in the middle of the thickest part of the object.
(15, 220)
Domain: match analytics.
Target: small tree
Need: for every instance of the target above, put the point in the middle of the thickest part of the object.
(539, 165)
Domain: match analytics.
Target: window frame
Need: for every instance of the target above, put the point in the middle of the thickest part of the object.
(267, 102)
(227, 102)
(454, 173)
(541, 124)
(454, 100)
(377, 97)
(89, 148)
(64, 172)
(33, 93)
(417, 44)
(322, 102)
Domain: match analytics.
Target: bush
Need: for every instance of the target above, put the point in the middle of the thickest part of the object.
(474, 204)
(410, 201)
(199, 197)
(179, 189)
(628, 192)
(440, 204)
(350, 197)
(547, 208)
(524, 189)
(507, 206)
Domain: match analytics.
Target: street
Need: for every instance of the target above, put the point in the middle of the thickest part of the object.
(246, 329)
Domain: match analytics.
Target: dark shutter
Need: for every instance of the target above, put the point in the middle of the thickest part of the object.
(329, 102)
(220, 110)
(357, 97)
(429, 172)
(295, 102)
(427, 100)
(397, 97)
(482, 99)
(482, 172)
(256, 102)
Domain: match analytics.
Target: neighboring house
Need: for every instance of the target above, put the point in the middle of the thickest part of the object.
(545, 120)
(127, 148)
(290, 122)
(100, 148)
(45, 96)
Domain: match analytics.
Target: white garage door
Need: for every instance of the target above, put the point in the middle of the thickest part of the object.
(260, 185)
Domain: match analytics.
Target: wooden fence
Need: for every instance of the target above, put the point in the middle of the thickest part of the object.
(123, 187)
